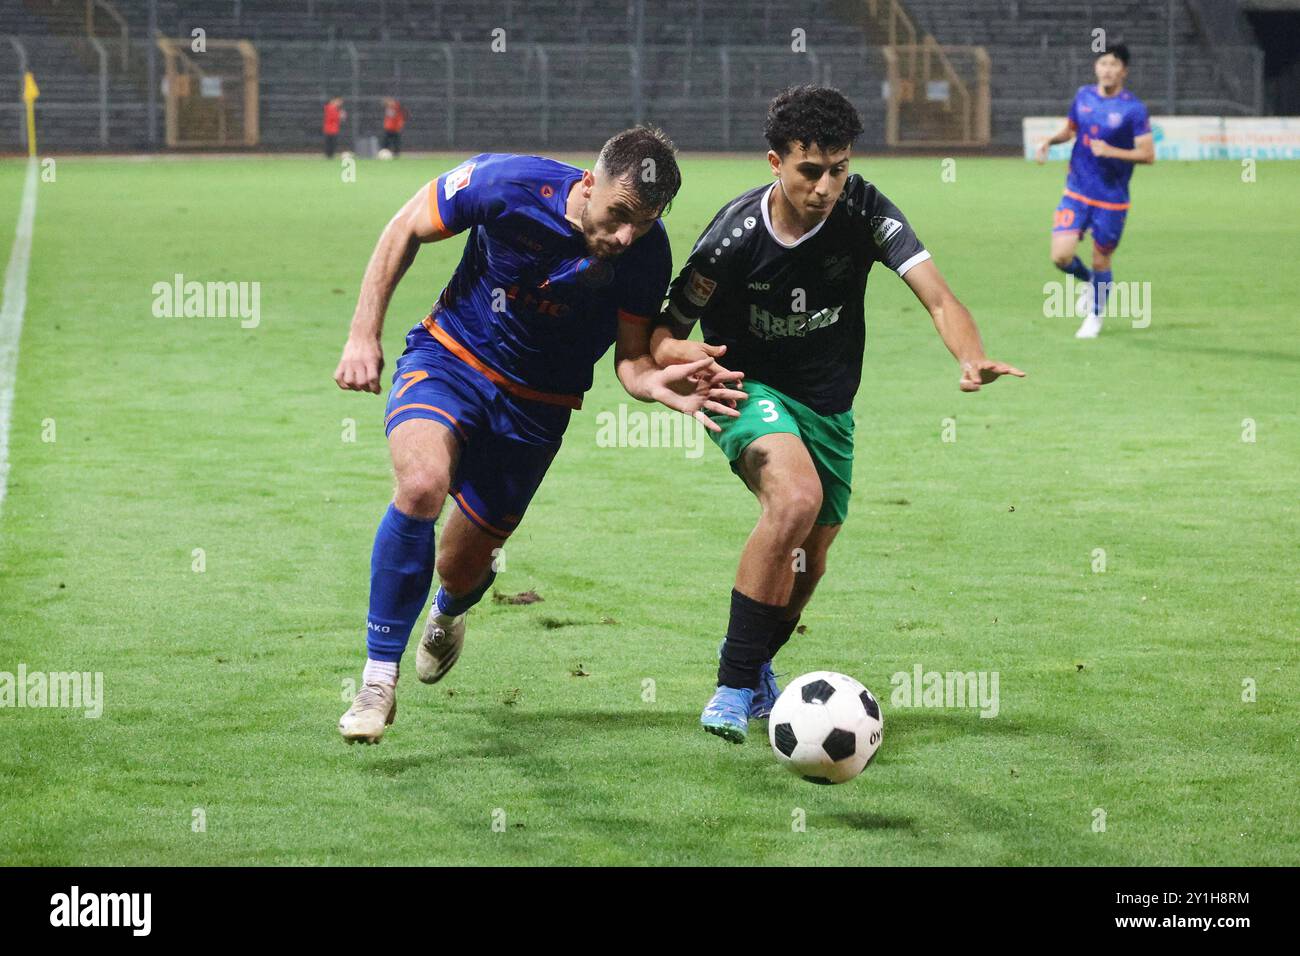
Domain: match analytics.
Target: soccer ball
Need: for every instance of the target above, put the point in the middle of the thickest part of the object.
(825, 727)
(384, 154)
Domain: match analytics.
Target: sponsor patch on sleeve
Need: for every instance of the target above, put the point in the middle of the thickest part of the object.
(883, 228)
(699, 289)
(456, 180)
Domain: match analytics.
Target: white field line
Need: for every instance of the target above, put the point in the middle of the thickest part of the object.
(11, 316)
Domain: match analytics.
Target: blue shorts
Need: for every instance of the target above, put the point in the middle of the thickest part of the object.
(1107, 225)
(506, 443)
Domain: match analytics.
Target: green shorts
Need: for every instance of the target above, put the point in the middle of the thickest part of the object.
(828, 438)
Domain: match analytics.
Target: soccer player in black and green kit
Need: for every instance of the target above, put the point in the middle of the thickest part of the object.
(778, 279)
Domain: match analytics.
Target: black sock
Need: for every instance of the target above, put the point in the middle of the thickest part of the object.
(750, 633)
(780, 637)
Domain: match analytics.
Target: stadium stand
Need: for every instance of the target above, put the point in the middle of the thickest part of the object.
(703, 68)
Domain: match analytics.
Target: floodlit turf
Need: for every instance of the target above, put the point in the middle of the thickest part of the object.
(568, 732)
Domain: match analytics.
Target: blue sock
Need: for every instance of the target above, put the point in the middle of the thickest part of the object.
(1077, 269)
(451, 606)
(401, 570)
(1100, 288)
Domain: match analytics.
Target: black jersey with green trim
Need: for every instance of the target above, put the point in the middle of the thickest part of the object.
(792, 316)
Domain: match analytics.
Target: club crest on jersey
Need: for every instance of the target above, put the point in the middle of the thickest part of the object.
(883, 228)
(835, 266)
(457, 180)
(595, 273)
(699, 289)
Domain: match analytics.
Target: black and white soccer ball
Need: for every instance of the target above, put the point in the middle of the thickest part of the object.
(825, 727)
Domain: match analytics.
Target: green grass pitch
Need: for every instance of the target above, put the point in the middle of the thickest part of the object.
(1120, 692)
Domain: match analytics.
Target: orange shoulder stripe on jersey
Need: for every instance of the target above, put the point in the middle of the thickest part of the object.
(1097, 202)
(455, 425)
(626, 316)
(474, 516)
(495, 377)
(434, 216)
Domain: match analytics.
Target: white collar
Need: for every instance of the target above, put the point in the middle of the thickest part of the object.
(767, 221)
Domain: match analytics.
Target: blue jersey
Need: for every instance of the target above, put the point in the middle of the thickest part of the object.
(527, 301)
(1117, 120)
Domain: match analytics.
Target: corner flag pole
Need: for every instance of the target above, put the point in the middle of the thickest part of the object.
(30, 92)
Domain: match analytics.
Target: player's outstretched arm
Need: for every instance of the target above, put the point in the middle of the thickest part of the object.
(363, 357)
(685, 387)
(956, 327)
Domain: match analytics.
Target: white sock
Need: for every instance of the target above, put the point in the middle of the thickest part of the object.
(380, 672)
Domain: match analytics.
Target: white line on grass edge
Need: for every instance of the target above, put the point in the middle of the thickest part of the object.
(11, 316)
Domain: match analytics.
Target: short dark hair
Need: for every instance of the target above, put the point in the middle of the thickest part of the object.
(646, 158)
(1118, 50)
(811, 116)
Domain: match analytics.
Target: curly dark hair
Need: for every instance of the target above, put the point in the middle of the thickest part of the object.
(647, 159)
(811, 116)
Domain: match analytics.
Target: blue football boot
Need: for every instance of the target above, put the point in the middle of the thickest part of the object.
(765, 697)
(727, 713)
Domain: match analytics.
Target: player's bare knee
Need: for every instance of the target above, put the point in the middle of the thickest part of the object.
(795, 509)
(421, 492)
(1062, 259)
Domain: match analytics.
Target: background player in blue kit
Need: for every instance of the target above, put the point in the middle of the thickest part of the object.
(559, 264)
(1111, 131)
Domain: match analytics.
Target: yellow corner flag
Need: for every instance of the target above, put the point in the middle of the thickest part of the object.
(30, 92)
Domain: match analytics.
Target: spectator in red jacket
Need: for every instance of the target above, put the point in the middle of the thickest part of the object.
(394, 121)
(334, 115)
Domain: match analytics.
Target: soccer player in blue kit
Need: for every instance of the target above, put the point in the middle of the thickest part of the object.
(1111, 132)
(559, 263)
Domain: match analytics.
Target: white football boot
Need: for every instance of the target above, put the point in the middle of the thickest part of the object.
(372, 710)
(1083, 306)
(440, 646)
(1090, 328)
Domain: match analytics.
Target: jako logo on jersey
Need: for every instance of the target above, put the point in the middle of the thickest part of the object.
(765, 325)
(760, 286)
(381, 628)
(883, 228)
(1114, 119)
(699, 289)
(457, 180)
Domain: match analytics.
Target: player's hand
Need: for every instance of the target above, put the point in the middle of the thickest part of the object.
(681, 351)
(1099, 147)
(361, 365)
(1040, 154)
(982, 372)
(691, 390)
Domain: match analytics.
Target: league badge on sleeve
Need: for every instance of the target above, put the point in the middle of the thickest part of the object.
(700, 289)
(457, 180)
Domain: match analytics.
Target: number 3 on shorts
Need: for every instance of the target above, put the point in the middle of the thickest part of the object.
(769, 409)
